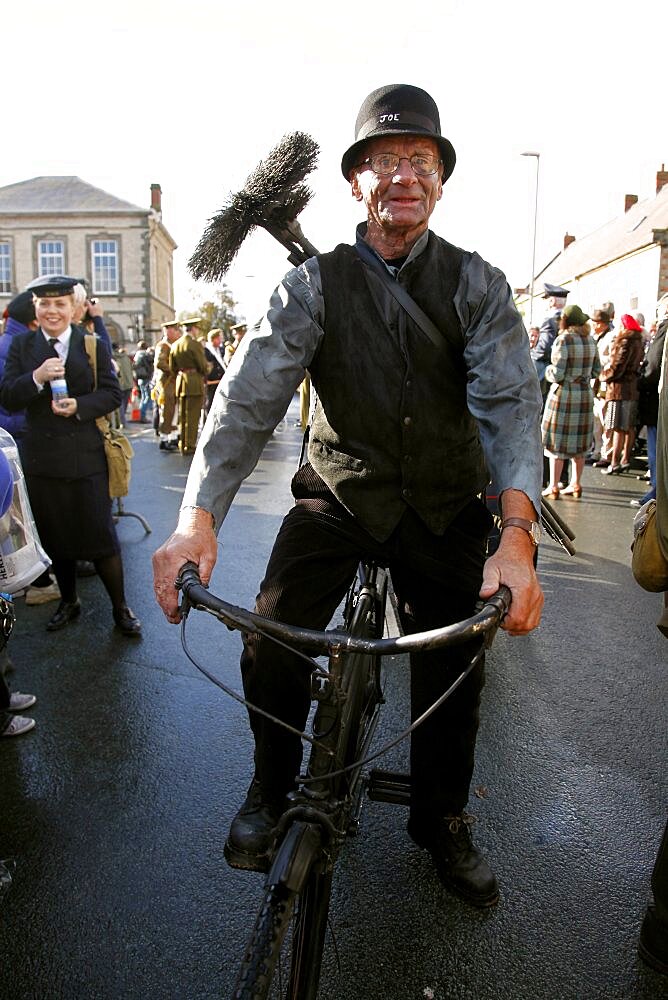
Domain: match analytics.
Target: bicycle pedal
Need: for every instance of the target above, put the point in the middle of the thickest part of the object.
(389, 786)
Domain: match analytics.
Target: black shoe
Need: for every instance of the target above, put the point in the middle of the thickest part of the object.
(459, 864)
(127, 622)
(252, 833)
(163, 446)
(85, 568)
(66, 612)
(653, 943)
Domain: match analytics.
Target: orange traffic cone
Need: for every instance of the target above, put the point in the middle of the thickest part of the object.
(135, 400)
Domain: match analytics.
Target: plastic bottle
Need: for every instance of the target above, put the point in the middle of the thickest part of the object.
(59, 390)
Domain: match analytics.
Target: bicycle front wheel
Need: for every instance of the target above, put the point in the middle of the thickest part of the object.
(284, 954)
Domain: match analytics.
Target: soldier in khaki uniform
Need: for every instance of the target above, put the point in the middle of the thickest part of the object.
(187, 361)
(238, 332)
(165, 387)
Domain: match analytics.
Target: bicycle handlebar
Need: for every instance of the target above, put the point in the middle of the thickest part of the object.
(480, 625)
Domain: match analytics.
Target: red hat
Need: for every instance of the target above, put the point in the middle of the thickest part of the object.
(629, 323)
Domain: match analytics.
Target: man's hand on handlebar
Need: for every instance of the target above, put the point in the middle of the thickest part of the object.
(512, 564)
(193, 541)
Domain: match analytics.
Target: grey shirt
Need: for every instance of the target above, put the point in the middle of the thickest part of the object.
(503, 394)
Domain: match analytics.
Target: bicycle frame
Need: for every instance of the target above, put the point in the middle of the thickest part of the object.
(325, 806)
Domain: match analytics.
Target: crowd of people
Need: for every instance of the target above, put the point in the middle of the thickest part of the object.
(178, 378)
(600, 387)
(62, 453)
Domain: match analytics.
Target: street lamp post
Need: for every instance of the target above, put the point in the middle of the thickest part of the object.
(535, 220)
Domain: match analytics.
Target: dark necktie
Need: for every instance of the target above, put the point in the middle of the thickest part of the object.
(52, 344)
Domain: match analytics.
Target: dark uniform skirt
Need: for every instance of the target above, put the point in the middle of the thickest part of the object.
(73, 516)
(621, 414)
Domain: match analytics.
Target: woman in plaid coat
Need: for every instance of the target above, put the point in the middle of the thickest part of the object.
(568, 418)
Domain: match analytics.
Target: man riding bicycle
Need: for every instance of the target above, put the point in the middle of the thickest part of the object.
(407, 431)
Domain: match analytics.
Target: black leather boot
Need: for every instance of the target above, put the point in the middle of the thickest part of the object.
(66, 612)
(127, 621)
(459, 864)
(252, 833)
(653, 944)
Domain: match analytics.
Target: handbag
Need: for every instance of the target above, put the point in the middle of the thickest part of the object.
(117, 448)
(648, 563)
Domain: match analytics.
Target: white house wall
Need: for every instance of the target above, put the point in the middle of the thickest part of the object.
(631, 283)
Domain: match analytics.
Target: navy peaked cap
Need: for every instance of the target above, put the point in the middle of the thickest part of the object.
(51, 285)
(556, 290)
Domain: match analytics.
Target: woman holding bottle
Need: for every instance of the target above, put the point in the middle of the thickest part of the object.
(62, 451)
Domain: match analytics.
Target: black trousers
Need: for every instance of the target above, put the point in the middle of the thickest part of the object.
(5, 694)
(660, 879)
(436, 580)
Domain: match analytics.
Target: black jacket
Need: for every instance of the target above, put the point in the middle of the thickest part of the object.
(60, 447)
(648, 381)
(217, 370)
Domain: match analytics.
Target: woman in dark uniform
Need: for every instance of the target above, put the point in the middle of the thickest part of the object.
(62, 451)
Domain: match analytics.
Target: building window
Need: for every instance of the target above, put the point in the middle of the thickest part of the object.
(105, 266)
(5, 268)
(51, 257)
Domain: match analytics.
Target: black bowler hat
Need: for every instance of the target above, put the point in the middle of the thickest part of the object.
(398, 109)
(22, 308)
(51, 285)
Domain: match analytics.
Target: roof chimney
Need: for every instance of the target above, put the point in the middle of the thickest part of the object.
(568, 240)
(156, 197)
(629, 201)
(661, 177)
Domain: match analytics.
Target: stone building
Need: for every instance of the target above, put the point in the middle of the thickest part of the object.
(624, 261)
(62, 225)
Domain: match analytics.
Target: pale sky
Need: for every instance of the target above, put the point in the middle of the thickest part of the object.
(192, 95)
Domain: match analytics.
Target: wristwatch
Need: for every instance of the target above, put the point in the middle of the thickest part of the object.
(532, 528)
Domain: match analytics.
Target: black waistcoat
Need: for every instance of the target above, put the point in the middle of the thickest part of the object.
(392, 426)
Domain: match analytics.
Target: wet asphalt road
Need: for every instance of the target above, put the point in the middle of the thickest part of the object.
(115, 808)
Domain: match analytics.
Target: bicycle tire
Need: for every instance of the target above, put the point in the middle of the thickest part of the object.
(361, 680)
(307, 908)
(276, 949)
